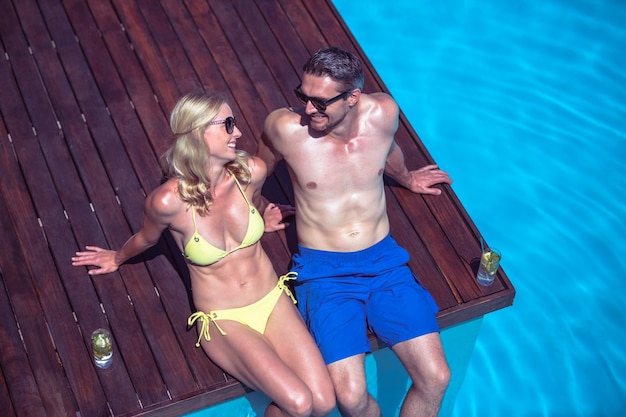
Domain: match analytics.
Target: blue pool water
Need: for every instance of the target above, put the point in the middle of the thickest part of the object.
(524, 103)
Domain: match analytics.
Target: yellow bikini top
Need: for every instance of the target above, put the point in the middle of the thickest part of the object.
(201, 252)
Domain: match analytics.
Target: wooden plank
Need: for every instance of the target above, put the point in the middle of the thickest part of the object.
(22, 297)
(306, 28)
(97, 122)
(20, 394)
(32, 238)
(5, 400)
(256, 87)
(230, 70)
(111, 99)
(141, 93)
(147, 384)
(201, 399)
(154, 65)
(421, 263)
(261, 56)
(168, 47)
(278, 44)
(200, 57)
(288, 53)
(196, 50)
(68, 339)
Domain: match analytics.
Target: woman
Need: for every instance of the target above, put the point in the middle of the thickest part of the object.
(246, 318)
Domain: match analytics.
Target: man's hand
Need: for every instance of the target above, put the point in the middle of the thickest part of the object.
(422, 180)
(274, 215)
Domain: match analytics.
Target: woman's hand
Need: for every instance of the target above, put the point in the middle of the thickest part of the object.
(274, 215)
(104, 259)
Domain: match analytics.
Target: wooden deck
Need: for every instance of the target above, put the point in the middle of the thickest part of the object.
(86, 87)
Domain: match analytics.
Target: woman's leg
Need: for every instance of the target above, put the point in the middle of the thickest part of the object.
(251, 358)
(287, 333)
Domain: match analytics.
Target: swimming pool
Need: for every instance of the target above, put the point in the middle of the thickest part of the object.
(524, 103)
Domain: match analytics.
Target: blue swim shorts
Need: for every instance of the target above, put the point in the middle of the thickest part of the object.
(343, 294)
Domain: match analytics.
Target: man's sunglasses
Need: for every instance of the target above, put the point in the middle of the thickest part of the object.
(229, 124)
(319, 103)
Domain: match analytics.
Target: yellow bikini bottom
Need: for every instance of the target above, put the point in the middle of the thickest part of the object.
(254, 315)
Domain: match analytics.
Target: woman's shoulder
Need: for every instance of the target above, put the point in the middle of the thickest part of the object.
(258, 169)
(165, 199)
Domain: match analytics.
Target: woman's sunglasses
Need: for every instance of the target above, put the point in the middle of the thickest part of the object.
(319, 103)
(229, 124)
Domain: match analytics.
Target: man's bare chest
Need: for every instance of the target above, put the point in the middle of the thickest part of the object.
(336, 172)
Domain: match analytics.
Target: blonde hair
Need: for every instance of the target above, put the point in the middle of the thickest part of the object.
(188, 157)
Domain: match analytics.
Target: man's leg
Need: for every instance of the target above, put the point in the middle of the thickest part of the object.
(348, 377)
(424, 360)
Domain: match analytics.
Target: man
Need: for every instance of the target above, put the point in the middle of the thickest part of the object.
(351, 274)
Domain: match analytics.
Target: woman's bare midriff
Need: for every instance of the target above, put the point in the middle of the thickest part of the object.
(240, 279)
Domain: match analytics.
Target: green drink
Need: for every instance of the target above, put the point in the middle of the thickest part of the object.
(489, 262)
(102, 348)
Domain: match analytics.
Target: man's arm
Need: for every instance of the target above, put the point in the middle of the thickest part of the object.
(273, 214)
(395, 166)
(267, 155)
(419, 181)
(267, 145)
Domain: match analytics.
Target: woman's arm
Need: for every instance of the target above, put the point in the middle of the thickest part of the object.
(157, 210)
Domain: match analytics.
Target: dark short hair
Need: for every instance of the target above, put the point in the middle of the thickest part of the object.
(338, 64)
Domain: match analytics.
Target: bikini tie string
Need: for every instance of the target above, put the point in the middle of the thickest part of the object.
(289, 276)
(205, 318)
